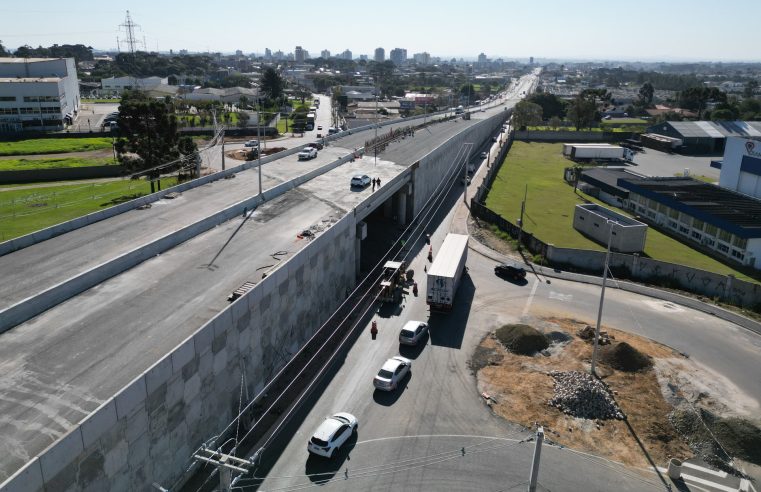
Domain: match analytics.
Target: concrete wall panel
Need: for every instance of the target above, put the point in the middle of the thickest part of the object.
(98, 423)
(130, 397)
(60, 454)
(27, 479)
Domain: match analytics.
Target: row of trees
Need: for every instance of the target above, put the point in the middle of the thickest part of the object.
(78, 51)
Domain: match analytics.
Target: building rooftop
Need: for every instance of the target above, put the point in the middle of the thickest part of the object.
(29, 79)
(726, 209)
(711, 129)
(606, 178)
(27, 60)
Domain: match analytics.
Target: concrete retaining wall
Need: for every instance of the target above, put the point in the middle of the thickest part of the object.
(149, 430)
(709, 284)
(571, 136)
(36, 175)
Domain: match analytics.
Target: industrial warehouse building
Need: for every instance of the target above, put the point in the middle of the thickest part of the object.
(37, 93)
(717, 220)
(741, 166)
(705, 137)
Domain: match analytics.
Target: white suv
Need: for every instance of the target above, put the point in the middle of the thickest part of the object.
(332, 433)
(308, 153)
(360, 181)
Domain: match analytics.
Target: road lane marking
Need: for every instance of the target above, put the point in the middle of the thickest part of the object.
(697, 480)
(721, 474)
(530, 298)
(561, 297)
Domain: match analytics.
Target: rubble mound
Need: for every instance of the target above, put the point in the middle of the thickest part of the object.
(728, 436)
(578, 394)
(624, 357)
(522, 339)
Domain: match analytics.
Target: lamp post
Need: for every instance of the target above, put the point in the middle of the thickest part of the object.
(602, 296)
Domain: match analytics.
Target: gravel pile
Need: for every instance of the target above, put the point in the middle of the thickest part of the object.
(580, 395)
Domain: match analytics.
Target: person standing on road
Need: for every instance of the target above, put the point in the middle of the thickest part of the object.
(373, 184)
(379, 183)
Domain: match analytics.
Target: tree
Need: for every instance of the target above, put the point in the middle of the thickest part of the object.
(272, 83)
(723, 114)
(3, 52)
(468, 91)
(696, 98)
(582, 112)
(148, 128)
(551, 104)
(750, 88)
(646, 93)
(527, 114)
(555, 122)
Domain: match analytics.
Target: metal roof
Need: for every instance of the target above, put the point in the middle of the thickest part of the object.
(726, 209)
(448, 258)
(710, 129)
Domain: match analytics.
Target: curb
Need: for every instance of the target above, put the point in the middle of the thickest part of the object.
(653, 292)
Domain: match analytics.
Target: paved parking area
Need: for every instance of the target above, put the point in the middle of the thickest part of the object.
(654, 163)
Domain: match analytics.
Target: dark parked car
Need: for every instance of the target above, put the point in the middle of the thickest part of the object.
(509, 271)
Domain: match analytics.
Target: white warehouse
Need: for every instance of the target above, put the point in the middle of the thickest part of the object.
(38, 93)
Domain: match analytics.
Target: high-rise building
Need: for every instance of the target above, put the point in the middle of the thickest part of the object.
(380, 55)
(398, 56)
(531, 60)
(482, 59)
(363, 57)
(299, 55)
(325, 54)
(423, 58)
(346, 55)
(267, 53)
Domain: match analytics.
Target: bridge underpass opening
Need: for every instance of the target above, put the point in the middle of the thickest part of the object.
(379, 230)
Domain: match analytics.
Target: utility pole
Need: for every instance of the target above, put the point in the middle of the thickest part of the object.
(602, 298)
(225, 466)
(375, 145)
(259, 139)
(520, 220)
(534, 477)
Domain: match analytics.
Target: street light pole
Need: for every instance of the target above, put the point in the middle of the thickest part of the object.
(259, 139)
(602, 297)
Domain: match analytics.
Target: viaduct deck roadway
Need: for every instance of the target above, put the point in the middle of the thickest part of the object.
(61, 365)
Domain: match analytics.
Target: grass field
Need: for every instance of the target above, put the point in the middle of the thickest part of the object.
(54, 145)
(27, 210)
(52, 163)
(626, 121)
(550, 203)
(99, 100)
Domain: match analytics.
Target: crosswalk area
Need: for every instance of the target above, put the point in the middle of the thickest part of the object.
(696, 475)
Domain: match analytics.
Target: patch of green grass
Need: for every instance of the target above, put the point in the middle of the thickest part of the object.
(54, 145)
(27, 210)
(699, 177)
(53, 163)
(100, 100)
(626, 121)
(550, 207)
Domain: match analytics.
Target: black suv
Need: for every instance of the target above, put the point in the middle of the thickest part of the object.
(509, 271)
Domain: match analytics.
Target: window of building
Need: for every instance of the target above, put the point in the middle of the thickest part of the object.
(30, 110)
(710, 229)
(740, 242)
(684, 230)
(8, 110)
(663, 208)
(710, 242)
(641, 199)
(723, 248)
(696, 235)
(724, 235)
(673, 213)
(641, 209)
(581, 217)
(652, 204)
(738, 254)
(673, 224)
(685, 219)
(651, 214)
(7, 98)
(697, 224)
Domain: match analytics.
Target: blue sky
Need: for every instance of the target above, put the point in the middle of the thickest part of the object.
(583, 29)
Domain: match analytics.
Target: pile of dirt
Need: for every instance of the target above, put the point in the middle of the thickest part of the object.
(522, 339)
(624, 357)
(717, 439)
(580, 395)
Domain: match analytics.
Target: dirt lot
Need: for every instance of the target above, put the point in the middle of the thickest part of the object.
(521, 386)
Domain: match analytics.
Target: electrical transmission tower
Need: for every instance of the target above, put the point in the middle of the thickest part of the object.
(128, 28)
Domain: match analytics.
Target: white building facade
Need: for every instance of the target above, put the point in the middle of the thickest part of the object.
(741, 166)
(117, 85)
(38, 94)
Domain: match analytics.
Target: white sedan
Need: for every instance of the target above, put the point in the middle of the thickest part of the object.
(393, 371)
(332, 434)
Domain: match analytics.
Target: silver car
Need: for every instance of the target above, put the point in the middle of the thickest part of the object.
(412, 332)
(393, 371)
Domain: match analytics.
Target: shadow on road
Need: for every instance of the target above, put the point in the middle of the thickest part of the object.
(388, 398)
(448, 329)
(414, 351)
(320, 470)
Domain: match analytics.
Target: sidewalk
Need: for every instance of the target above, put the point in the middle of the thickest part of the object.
(460, 226)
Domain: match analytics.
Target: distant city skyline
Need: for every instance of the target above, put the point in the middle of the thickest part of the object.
(650, 30)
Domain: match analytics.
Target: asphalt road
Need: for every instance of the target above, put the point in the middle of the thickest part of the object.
(412, 439)
(62, 364)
